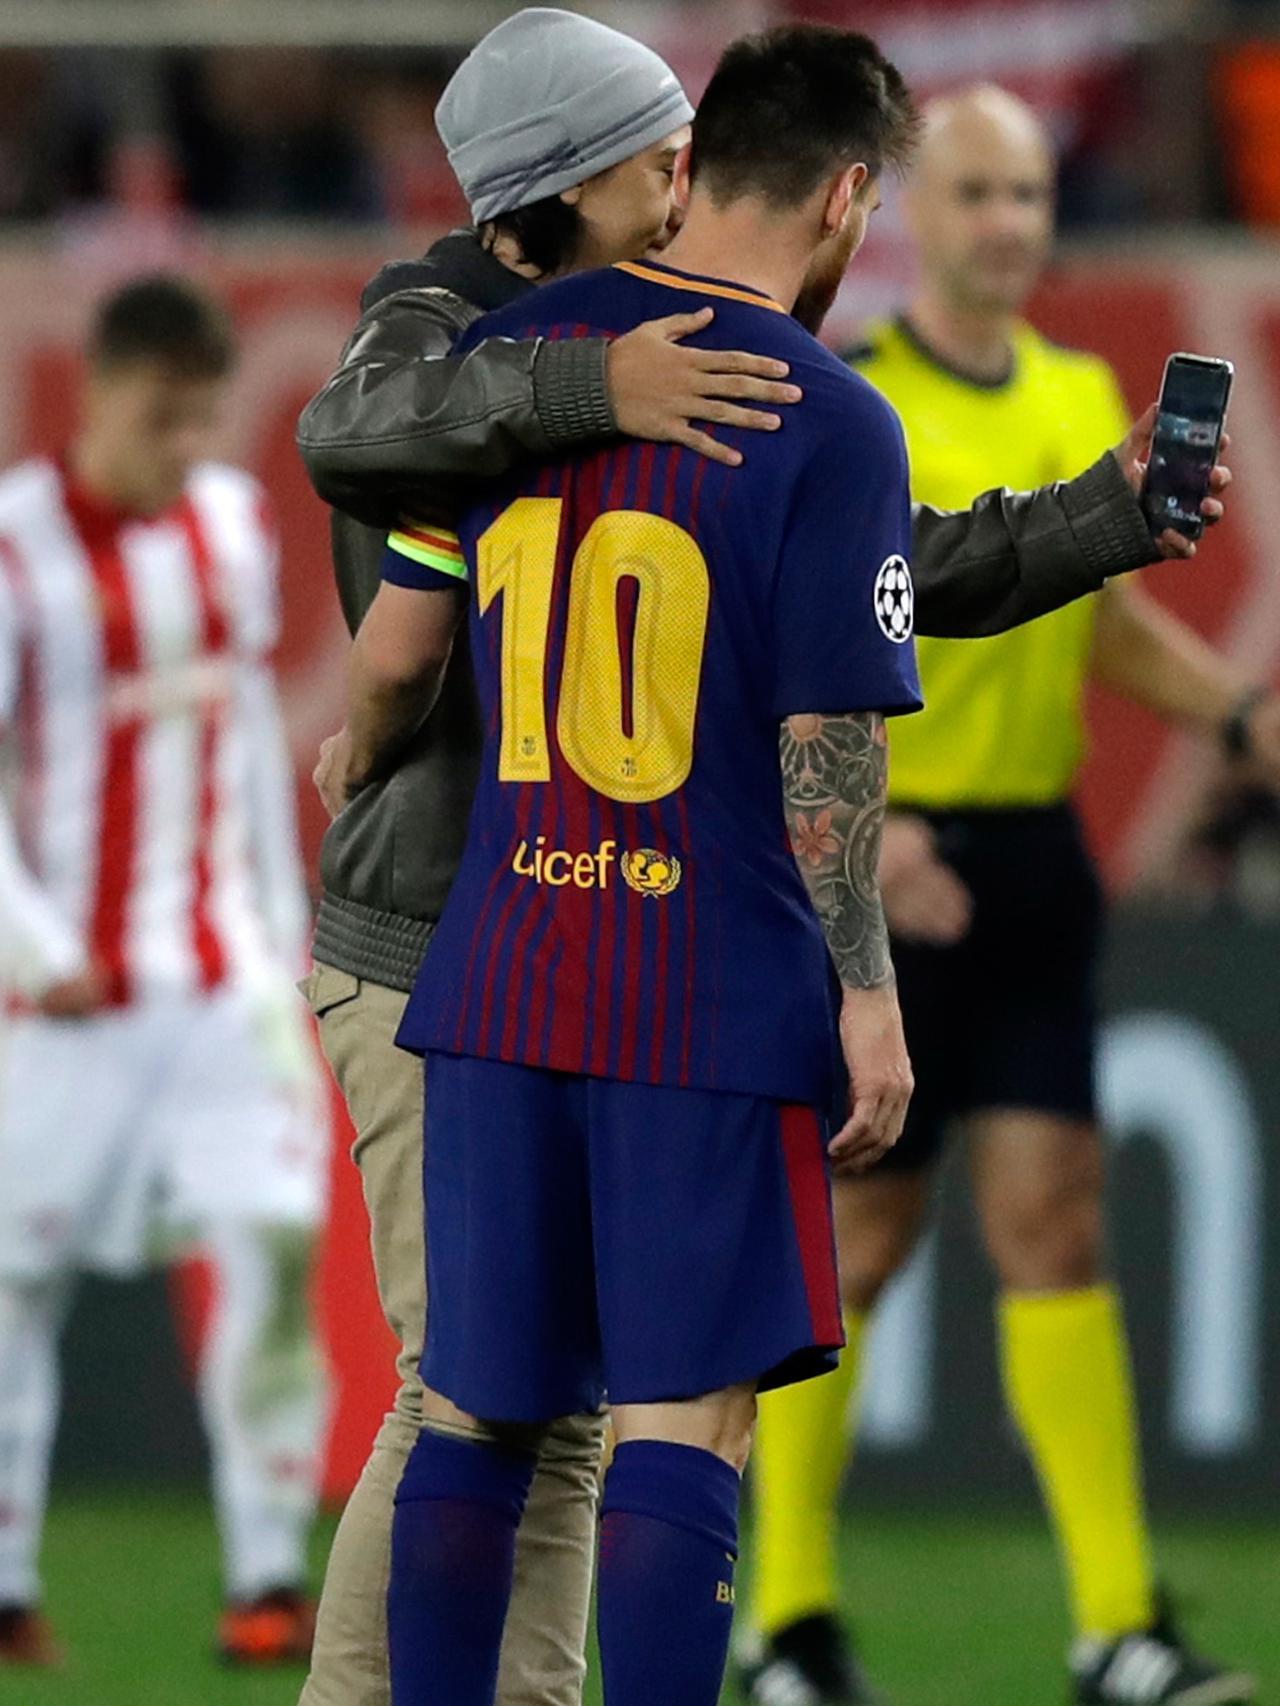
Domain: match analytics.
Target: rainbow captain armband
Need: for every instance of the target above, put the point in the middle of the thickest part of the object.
(424, 557)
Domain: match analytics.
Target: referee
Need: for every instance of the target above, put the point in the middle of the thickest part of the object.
(997, 915)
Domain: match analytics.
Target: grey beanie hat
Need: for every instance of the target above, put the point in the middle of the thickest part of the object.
(547, 100)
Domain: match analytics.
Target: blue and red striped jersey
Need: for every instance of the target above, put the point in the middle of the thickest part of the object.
(628, 904)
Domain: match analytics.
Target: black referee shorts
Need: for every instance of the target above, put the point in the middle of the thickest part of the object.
(1007, 1018)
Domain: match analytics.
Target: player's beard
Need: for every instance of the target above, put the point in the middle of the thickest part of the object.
(822, 282)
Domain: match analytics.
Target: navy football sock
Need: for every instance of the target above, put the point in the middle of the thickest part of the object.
(668, 1543)
(453, 1542)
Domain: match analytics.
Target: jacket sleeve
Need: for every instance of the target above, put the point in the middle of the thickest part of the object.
(1017, 555)
(403, 419)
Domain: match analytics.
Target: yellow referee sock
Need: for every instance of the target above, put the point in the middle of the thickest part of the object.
(1068, 1382)
(802, 1447)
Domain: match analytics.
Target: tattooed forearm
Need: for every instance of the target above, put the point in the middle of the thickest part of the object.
(834, 775)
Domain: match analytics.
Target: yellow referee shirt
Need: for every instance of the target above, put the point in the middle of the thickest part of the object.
(1003, 723)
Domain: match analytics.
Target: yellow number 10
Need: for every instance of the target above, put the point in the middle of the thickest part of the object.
(635, 758)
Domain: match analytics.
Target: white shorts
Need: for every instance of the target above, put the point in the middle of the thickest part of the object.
(146, 1121)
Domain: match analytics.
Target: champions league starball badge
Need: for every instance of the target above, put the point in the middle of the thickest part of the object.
(895, 600)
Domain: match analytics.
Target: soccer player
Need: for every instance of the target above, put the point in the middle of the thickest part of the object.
(625, 1175)
(152, 918)
(997, 916)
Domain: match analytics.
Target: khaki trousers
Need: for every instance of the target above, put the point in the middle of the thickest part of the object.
(543, 1656)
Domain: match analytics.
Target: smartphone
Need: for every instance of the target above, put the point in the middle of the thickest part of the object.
(1189, 423)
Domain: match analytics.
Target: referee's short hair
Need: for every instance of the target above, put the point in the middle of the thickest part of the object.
(165, 320)
(790, 107)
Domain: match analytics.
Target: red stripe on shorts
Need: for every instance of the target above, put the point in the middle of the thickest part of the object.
(810, 1187)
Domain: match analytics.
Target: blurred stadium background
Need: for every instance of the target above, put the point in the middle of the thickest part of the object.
(280, 150)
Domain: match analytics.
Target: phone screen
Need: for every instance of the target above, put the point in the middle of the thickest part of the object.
(1193, 407)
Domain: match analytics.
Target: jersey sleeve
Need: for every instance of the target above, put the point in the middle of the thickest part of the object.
(38, 947)
(265, 627)
(271, 803)
(843, 602)
(424, 558)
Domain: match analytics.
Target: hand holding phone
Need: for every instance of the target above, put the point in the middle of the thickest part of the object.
(1189, 426)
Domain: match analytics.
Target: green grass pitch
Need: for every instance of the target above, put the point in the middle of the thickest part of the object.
(954, 1610)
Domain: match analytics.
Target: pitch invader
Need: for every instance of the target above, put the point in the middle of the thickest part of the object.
(997, 917)
(627, 1078)
(156, 1076)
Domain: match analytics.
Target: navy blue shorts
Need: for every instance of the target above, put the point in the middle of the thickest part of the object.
(590, 1241)
(1008, 1017)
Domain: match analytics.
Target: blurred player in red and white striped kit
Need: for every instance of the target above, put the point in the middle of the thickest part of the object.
(156, 1076)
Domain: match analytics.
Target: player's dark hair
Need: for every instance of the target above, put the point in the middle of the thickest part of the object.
(549, 232)
(165, 320)
(789, 108)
